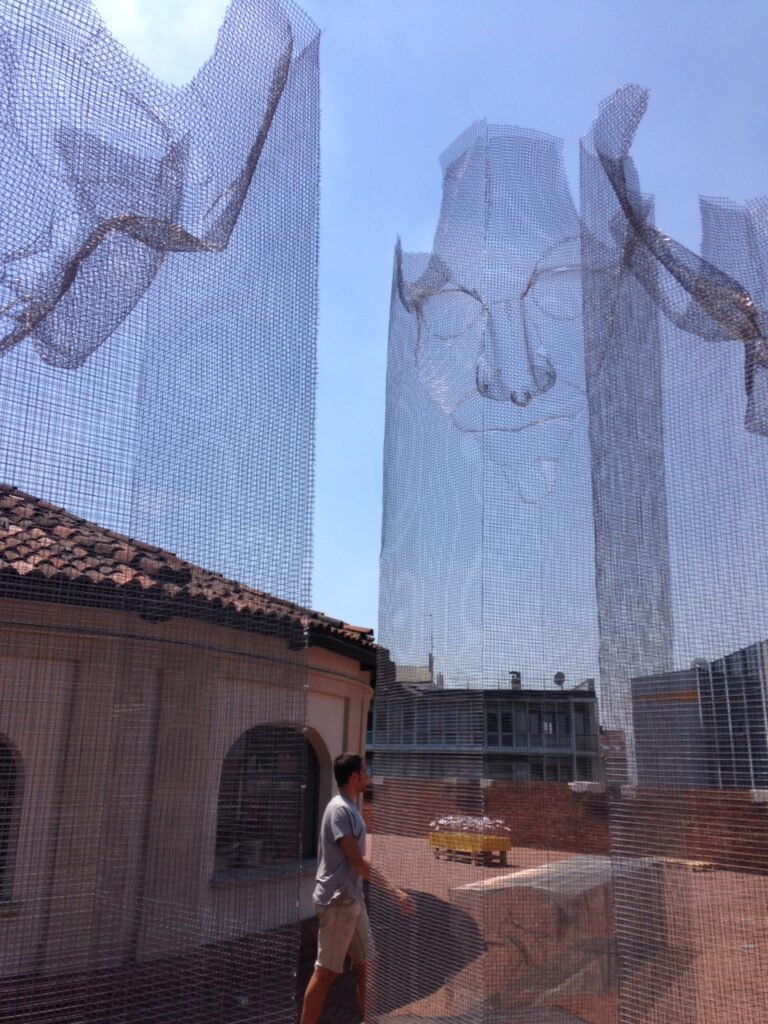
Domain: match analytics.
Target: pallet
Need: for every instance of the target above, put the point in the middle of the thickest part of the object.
(485, 858)
(470, 848)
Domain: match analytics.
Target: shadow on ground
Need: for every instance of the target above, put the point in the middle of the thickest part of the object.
(404, 973)
(418, 954)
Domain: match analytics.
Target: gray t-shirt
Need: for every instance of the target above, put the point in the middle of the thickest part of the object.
(335, 878)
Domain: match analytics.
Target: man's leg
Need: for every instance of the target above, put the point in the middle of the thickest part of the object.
(361, 984)
(336, 926)
(362, 953)
(314, 997)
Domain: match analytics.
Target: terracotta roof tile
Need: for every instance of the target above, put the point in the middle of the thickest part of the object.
(123, 575)
(22, 568)
(124, 554)
(42, 546)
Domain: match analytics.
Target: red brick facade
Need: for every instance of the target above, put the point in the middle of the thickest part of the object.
(541, 815)
(722, 827)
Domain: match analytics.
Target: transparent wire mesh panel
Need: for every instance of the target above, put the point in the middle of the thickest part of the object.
(430, 964)
(680, 587)
(488, 601)
(157, 365)
(160, 219)
(570, 747)
(487, 427)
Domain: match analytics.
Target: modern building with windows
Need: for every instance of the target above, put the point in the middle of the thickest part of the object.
(705, 726)
(424, 730)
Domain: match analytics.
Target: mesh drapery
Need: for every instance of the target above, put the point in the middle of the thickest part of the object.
(570, 747)
(159, 250)
(122, 191)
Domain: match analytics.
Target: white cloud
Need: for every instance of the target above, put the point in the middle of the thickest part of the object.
(172, 37)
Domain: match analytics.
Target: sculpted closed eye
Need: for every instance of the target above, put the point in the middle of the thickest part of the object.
(450, 314)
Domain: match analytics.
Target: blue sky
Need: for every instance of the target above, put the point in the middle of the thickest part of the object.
(400, 79)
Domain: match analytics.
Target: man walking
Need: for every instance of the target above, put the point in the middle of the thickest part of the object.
(338, 896)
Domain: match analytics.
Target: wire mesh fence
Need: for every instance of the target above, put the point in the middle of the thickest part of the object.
(158, 280)
(569, 750)
(570, 743)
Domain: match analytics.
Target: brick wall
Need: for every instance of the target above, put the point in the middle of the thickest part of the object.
(541, 815)
(719, 826)
(723, 827)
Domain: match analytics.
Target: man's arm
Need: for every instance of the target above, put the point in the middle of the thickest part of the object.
(355, 859)
(368, 873)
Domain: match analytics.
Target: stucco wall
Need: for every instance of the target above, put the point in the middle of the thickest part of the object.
(121, 727)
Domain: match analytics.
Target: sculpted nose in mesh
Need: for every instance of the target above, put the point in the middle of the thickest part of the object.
(496, 305)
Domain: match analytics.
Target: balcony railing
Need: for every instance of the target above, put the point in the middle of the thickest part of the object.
(554, 744)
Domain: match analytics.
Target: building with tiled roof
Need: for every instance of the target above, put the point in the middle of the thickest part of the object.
(49, 554)
(166, 746)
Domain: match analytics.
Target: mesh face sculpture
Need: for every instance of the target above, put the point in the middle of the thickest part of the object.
(574, 480)
(497, 307)
(512, 328)
(488, 329)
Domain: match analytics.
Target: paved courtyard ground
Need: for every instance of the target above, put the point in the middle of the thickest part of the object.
(695, 952)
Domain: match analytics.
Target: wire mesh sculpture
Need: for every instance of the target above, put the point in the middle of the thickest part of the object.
(158, 283)
(570, 495)
(134, 188)
(486, 346)
(574, 478)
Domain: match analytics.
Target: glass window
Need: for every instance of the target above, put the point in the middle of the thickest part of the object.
(268, 800)
(422, 726)
(450, 726)
(408, 725)
(492, 728)
(580, 719)
(435, 715)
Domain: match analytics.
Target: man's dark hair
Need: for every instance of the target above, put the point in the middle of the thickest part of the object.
(346, 765)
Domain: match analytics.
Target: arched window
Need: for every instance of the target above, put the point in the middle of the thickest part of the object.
(268, 800)
(9, 793)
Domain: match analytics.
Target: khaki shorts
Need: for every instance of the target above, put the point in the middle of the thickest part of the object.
(344, 928)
